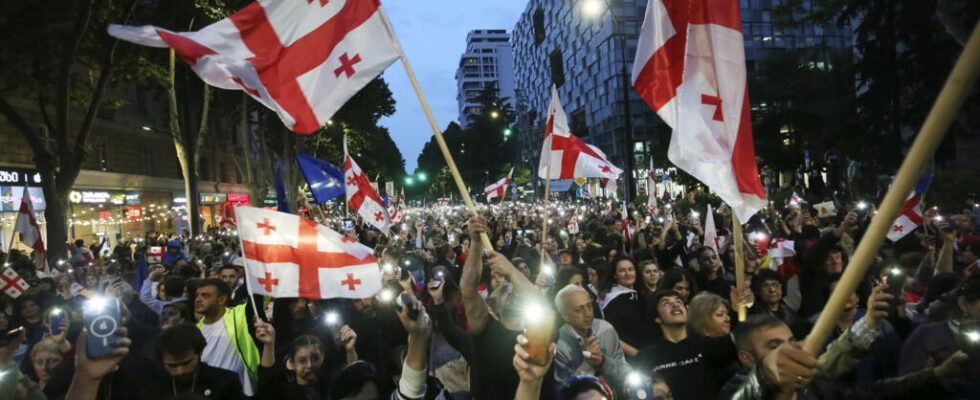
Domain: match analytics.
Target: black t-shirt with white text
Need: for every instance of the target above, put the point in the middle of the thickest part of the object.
(694, 368)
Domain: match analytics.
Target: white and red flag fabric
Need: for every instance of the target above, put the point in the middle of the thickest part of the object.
(909, 218)
(690, 68)
(443, 201)
(30, 233)
(652, 190)
(12, 284)
(795, 201)
(395, 213)
(290, 256)
(710, 232)
(627, 235)
(361, 196)
(497, 189)
(779, 251)
(568, 155)
(302, 59)
(401, 198)
(573, 223)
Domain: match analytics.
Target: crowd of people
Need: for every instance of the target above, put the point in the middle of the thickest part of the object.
(619, 304)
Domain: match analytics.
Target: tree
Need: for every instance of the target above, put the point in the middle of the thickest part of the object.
(58, 51)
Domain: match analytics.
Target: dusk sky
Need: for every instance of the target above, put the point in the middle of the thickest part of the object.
(433, 35)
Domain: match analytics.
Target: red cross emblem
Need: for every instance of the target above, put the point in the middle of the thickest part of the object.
(346, 239)
(351, 181)
(268, 282)
(350, 282)
(364, 189)
(322, 2)
(898, 228)
(347, 65)
(265, 225)
(571, 148)
(714, 101)
(605, 168)
(379, 216)
(306, 255)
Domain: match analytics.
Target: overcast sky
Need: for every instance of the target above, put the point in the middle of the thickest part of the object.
(433, 35)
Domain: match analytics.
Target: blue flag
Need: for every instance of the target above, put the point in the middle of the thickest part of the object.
(923, 185)
(326, 180)
(141, 271)
(282, 202)
(384, 200)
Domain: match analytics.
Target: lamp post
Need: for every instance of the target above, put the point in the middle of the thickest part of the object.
(594, 8)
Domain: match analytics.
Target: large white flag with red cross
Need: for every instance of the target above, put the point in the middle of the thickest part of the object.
(290, 256)
(362, 197)
(302, 59)
(690, 68)
(30, 232)
(497, 189)
(568, 156)
(12, 284)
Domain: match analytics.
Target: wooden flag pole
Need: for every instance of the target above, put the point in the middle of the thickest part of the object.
(438, 134)
(547, 196)
(739, 261)
(944, 110)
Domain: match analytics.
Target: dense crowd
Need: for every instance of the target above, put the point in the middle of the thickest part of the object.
(594, 308)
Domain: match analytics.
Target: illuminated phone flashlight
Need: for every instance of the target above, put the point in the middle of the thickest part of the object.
(227, 254)
(938, 218)
(862, 205)
(389, 268)
(331, 318)
(973, 336)
(668, 206)
(440, 274)
(695, 214)
(895, 271)
(634, 379)
(61, 262)
(406, 262)
(757, 236)
(533, 312)
(95, 304)
(56, 311)
(387, 295)
(660, 220)
(547, 269)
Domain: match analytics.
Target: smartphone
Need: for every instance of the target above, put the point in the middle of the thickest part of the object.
(538, 334)
(452, 238)
(406, 300)
(101, 317)
(896, 285)
(647, 219)
(334, 323)
(968, 341)
(520, 232)
(57, 317)
(419, 222)
(348, 225)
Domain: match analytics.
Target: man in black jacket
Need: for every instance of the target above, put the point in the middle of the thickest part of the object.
(180, 349)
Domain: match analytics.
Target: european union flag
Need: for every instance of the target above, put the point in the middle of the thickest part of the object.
(326, 180)
(282, 204)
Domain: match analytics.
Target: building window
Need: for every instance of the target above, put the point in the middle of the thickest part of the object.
(557, 68)
(103, 148)
(539, 34)
(146, 160)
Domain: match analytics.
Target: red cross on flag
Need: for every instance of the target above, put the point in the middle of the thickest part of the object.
(908, 219)
(573, 223)
(12, 284)
(290, 256)
(779, 251)
(30, 233)
(568, 155)
(497, 189)
(443, 201)
(362, 197)
(302, 59)
(690, 68)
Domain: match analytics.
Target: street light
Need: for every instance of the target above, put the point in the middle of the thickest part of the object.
(594, 8)
(421, 176)
(507, 132)
(409, 181)
(494, 114)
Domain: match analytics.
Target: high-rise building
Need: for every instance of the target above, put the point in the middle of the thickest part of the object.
(488, 60)
(764, 34)
(581, 51)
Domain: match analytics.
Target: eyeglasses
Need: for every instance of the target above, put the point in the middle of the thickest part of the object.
(772, 285)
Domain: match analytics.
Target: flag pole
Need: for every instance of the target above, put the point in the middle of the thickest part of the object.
(547, 213)
(941, 116)
(739, 261)
(248, 277)
(435, 130)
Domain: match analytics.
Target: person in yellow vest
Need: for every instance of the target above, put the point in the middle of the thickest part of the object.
(230, 345)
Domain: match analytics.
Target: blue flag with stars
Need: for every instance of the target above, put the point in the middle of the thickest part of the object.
(326, 180)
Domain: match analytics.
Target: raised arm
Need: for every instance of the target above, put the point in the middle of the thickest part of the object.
(475, 305)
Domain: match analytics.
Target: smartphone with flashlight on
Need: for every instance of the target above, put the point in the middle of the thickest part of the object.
(406, 301)
(968, 341)
(896, 287)
(101, 316)
(334, 323)
(538, 331)
(56, 318)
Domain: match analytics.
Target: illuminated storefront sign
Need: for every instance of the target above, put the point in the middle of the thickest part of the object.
(104, 197)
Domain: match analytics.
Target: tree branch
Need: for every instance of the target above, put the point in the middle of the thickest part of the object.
(30, 134)
(44, 114)
(67, 60)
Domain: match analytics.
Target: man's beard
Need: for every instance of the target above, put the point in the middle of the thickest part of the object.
(184, 380)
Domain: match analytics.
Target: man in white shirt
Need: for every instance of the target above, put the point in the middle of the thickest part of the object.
(230, 346)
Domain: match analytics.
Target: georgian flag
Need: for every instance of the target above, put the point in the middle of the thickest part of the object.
(302, 59)
(779, 251)
(361, 196)
(795, 201)
(568, 155)
(497, 189)
(290, 256)
(690, 68)
(443, 201)
(30, 233)
(573, 223)
(12, 284)
(908, 219)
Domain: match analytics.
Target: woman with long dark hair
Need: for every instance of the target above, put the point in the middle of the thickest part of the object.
(622, 305)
